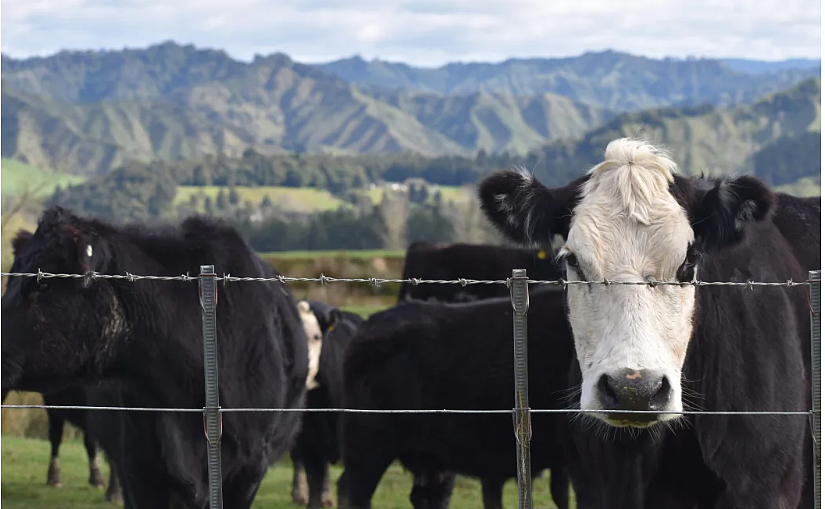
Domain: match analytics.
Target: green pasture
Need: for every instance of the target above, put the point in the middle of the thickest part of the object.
(17, 177)
(25, 462)
(299, 199)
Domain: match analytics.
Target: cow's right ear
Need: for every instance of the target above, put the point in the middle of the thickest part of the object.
(526, 211)
(20, 241)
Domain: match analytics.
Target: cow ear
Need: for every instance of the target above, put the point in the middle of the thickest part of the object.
(19, 242)
(721, 214)
(523, 209)
(334, 318)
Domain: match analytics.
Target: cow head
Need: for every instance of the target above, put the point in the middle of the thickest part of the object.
(57, 330)
(314, 342)
(630, 218)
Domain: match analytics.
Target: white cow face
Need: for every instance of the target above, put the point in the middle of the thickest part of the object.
(631, 218)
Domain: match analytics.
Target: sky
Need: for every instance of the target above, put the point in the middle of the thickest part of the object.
(420, 32)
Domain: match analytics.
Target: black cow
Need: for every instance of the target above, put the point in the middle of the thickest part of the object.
(75, 396)
(317, 445)
(147, 335)
(665, 348)
(431, 355)
(425, 260)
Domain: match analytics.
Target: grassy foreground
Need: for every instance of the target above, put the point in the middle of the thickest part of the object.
(25, 462)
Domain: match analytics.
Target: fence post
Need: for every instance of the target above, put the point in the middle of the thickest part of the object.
(522, 424)
(814, 290)
(212, 418)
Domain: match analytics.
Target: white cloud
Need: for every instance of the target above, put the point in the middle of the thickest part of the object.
(421, 32)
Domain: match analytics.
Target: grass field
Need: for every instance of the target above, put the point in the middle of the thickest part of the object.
(16, 177)
(25, 462)
(299, 199)
(448, 194)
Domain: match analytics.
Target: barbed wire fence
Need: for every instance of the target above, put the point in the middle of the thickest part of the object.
(519, 295)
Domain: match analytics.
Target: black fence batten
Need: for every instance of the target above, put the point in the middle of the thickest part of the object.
(520, 298)
(212, 417)
(814, 291)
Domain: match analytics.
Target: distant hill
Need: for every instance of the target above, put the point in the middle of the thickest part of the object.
(89, 112)
(762, 66)
(606, 79)
(777, 138)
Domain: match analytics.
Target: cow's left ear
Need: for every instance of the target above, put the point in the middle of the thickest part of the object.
(720, 215)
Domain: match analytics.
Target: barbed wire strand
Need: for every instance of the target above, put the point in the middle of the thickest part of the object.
(409, 411)
(414, 281)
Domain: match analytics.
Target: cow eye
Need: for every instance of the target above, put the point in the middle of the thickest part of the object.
(571, 260)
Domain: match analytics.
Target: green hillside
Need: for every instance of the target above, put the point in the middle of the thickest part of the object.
(93, 112)
(89, 112)
(605, 79)
(705, 139)
(18, 178)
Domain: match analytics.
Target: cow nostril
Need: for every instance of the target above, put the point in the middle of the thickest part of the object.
(609, 397)
(661, 397)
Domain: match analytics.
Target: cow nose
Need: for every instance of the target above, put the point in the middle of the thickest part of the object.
(634, 389)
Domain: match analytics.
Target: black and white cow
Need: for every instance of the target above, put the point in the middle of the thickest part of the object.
(147, 336)
(668, 349)
(328, 330)
(432, 355)
(425, 260)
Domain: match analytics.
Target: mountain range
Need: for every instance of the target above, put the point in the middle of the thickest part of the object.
(87, 112)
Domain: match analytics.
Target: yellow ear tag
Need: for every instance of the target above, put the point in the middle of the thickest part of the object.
(331, 328)
(541, 254)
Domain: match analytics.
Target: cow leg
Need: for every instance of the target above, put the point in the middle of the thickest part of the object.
(113, 491)
(316, 469)
(300, 490)
(359, 480)
(326, 497)
(560, 487)
(240, 491)
(95, 479)
(491, 490)
(369, 447)
(432, 490)
(56, 422)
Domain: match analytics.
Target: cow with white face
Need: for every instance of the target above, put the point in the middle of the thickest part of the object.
(633, 219)
(627, 225)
